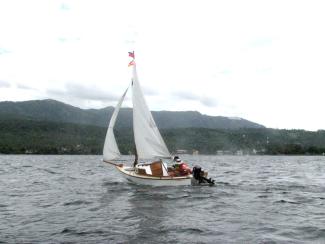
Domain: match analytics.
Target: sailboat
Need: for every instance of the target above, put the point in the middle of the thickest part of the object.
(151, 149)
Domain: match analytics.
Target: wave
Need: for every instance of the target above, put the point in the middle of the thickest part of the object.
(49, 171)
(287, 201)
(68, 230)
(77, 202)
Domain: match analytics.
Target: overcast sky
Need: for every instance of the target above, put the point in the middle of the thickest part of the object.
(260, 60)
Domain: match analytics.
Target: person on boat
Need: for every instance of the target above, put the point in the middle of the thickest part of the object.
(176, 162)
(177, 159)
(181, 167)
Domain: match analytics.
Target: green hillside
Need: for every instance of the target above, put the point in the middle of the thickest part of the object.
(19, 136)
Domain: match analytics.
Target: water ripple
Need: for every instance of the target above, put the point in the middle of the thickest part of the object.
(77, 202)
(78, 199)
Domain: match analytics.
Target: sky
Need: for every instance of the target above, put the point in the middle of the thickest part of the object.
(259, 60)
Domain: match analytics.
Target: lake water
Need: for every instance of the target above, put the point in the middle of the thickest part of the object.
(79, 199)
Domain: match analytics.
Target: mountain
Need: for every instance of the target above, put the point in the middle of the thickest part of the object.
(55, 111)
(52, 127)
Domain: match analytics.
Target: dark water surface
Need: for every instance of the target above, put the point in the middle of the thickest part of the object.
(79, 199)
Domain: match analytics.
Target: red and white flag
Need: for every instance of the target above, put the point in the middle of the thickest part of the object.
(131, 54)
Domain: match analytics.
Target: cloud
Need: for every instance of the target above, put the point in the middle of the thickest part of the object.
(149, 91)
(226, 72)
(261, 42)
(204, 100)
(264, 70)
(186, 95)
(81, 92)
(24, 87)
(4, 84)
(4, 51)
(57, 93)
(208, 101)
(68, 39)
(64, 7)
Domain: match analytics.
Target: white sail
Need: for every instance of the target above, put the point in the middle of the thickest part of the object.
(111, 150)
(148, 141)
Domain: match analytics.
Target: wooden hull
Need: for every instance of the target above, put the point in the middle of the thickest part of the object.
(131, 176)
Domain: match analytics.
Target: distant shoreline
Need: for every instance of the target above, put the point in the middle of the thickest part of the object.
(186, 155)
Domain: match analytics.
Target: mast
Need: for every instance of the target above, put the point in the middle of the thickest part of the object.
(136, 158)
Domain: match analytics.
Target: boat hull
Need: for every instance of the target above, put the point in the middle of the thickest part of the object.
(129, 174)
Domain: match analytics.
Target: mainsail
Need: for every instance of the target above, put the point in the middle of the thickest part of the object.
(148, 141)
(111, 150)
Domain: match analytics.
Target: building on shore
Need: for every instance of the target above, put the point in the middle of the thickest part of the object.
(195, 152)
(181, 151)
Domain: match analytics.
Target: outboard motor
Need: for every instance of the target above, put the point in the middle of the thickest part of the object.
(200, 177)
(196, 172)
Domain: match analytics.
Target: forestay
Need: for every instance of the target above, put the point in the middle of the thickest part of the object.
(111, 150)
(148, 141)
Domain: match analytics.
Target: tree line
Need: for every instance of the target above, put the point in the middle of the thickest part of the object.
(23, 136)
